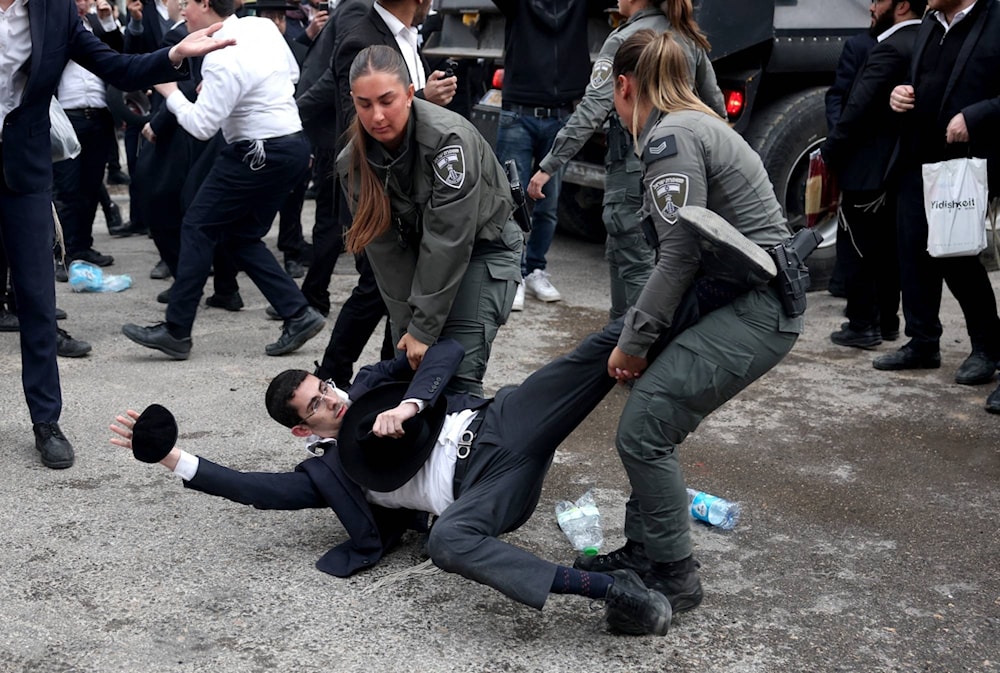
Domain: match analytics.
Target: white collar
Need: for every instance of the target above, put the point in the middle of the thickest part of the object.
(391, 20)
(901, 24)
(958, 17)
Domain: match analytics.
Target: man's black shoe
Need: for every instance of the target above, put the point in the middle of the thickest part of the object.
(9, 321)
(68, 347)
(62, 275)
(113, 218)
(92, 256)
(60, 314)
(296, 331)
(160, 272)
(56, 450)
(678, 581)
(272, 313)
(294, 269)
(630, 557)
(634, 609)
(230, 302)
(890, 333)
(907, 358)
(863, 338)
(993, 402)
(978, 368)
(117, 177)
(159, 338)
(164, 296)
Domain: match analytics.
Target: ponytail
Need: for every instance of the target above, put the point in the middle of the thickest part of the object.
(680, 13)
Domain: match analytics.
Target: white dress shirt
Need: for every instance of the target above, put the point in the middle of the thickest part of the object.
(15, 50)
(430, 490)
(247, 90)
(898, 26)
(80, 88)
(955, 19)
(406, 38)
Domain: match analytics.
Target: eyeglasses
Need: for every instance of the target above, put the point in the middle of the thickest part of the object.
(183, 4)
(326, 390)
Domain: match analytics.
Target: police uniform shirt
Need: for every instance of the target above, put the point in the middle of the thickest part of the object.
(430, 490)
(693, 158)
(247, 90)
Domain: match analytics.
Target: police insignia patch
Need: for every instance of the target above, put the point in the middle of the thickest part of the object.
(449, 166)
(601, 72)
(669, 192)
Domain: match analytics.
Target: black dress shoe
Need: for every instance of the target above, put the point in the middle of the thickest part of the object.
(158, 337)
(9, 321)
(856, 338)
(62, 275)
(272, 313)
(296, 331)
(92, 256)
(113, 217)
(230, 302)
(56, 450)
(68, 347)
(634, 609)
(60, 314)
(117, 177)
(978, 368)
(160, 272)
(907, 358)
(678, 581)
(993, 402)
(164, 297)
(294, 269)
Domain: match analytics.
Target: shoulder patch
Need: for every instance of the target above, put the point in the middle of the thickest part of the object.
(669, 194)
(601, 73)
(449, 166)
(660, 147)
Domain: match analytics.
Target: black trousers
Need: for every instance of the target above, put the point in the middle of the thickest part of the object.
(77, 182)
(332, 218)
(871, 274)
(921, 279)
(236, 204)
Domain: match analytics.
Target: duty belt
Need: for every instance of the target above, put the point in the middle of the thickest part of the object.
(465, 442)
(540, 112)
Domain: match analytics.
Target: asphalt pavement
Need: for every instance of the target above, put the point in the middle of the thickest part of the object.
(868, 540)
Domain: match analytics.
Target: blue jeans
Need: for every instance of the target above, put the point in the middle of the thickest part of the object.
(527, 140)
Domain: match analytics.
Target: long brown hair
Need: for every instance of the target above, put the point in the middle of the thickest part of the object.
(373, 216)
(680, 13)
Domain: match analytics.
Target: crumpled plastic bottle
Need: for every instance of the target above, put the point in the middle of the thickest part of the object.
(86, 277)
(581, 521)
(714, 510)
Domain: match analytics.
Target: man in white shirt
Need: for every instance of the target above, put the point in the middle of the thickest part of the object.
(249, 95)
(397, 447)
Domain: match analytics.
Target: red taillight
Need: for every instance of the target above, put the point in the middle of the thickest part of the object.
(498, 78)
(734, 104)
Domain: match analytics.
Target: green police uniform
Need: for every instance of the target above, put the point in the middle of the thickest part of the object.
(630, 258)
(692, 158)
(450, 263)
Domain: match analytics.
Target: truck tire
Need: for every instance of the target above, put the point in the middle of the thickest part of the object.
(784, 133)
(581, 212)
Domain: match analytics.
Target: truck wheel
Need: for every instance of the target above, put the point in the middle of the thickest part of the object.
(580, 212)
(784, 133)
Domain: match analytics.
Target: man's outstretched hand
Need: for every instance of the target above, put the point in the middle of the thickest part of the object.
(122, 427)
(199, 43)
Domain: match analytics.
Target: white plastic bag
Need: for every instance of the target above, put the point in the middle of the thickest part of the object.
(65, 144)
(955, 201)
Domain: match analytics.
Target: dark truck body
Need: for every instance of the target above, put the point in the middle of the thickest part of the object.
(779, 54)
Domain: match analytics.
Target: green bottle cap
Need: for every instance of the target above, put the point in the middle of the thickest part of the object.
(590, 551)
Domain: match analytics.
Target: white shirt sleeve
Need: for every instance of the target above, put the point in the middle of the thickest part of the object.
(219, 95)
(420, 403)
(187, 466)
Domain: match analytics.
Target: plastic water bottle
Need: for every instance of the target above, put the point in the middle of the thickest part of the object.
(581, 521)
(86, 277)
(713, 509)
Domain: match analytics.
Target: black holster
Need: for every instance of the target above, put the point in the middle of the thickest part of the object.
(521, 214)
(792, 280)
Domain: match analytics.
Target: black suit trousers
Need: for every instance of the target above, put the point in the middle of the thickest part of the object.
(872, 271)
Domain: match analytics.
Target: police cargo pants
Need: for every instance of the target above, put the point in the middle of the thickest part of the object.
(697, 372)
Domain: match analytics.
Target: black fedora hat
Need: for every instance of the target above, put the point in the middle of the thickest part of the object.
(154, 434)
(382, 463)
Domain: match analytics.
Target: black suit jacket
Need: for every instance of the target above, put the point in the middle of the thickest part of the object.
(112, 38)
(322, 482)
(848, 66)
(57, 36)
(332, 92)
(860, 146)
(973, 87)
(152, 31)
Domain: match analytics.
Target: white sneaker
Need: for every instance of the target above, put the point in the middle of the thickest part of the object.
(538, 285)
(518, 298)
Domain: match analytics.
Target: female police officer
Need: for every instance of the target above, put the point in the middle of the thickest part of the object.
(432, 210)
(629, 257)
(690, 157)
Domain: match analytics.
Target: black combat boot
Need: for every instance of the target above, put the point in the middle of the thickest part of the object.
(678, 581)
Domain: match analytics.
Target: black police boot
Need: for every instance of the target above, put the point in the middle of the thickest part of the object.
(678, 581)
(634, 609)
(630, 557)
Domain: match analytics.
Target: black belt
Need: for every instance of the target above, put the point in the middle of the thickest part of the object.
(539, 112)
(87, 112)
(465, 446)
